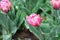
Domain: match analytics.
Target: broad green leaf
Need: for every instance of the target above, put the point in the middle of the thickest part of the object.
(8, 25)
(45, 27)
(34, 30)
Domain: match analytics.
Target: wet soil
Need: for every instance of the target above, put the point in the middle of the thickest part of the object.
(24, 35)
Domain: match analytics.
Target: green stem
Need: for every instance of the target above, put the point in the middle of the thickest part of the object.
(58, 14)
(41, 35)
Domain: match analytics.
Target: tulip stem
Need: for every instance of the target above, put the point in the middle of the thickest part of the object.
(58, 17)
(41, 35)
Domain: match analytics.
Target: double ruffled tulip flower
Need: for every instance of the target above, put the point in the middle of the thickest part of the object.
(34, 19)
(5, 5)
(55, 4)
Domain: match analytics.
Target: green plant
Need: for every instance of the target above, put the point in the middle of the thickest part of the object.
(16, 16)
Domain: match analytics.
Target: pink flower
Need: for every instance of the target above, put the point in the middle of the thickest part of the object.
(5, 5)
(34, 19)
(5, 0)
(55, 4)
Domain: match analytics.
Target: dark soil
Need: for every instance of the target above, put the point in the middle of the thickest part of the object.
(24, 35)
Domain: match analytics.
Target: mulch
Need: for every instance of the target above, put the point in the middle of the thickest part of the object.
(24, 35)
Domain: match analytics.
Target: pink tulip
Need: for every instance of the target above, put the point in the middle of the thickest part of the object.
(5, 0)
(34, 19)
(5, 5)
(55, 4)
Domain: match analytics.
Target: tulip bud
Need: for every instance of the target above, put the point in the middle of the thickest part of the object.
(5, 5)
(55, 4)
(34, 19)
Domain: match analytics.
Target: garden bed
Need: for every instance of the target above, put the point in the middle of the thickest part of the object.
(24, 35)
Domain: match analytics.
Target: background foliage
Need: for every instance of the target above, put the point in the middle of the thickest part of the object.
(12, 20)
